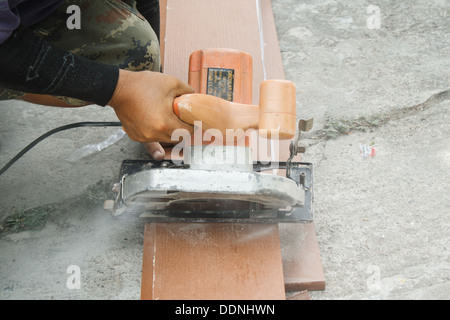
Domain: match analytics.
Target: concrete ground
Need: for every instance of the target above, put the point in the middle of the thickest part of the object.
(380, 97)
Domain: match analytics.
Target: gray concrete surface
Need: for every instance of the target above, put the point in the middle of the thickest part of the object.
(382, 221)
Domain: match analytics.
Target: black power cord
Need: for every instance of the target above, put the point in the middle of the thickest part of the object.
(59, 129)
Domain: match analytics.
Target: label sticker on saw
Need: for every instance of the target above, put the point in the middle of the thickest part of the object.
(220, 83)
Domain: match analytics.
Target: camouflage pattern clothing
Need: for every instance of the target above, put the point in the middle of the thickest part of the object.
(111, 31)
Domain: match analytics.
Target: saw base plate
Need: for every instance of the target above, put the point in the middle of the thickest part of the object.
(190, 207)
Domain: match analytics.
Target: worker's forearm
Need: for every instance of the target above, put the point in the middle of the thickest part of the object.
(29, 64)
(48, 100)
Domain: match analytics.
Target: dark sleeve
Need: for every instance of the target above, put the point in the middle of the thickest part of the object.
(30, 64)
(150, 10)
(9, 21)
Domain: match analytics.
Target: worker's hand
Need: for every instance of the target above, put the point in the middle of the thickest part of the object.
(155, 150)
(143, 102)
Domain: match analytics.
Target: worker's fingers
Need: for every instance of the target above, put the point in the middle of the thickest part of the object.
(155, 150)
(143, 102)
(183, 132)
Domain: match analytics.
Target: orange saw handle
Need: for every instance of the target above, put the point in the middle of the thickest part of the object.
(275, 115)
(216, 113)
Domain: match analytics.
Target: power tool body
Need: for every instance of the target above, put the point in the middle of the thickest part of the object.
(211, 176)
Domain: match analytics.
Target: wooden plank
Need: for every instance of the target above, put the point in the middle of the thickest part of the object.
(193, 25)
(302, 265)
(214, 261)
(162, 37)
(303, 295)
(273, 63)
(225, 261)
